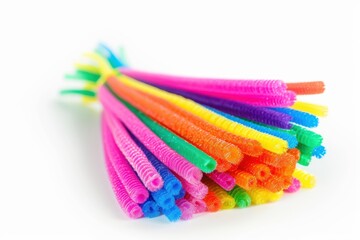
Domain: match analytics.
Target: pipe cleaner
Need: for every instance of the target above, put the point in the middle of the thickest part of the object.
(259, 170)
(224, 180)
(187, 209)
(179, 146)
(245, 87)
(241, 197)
(198, 190)
(244, 179)
(302, 88)
(126, 174)
(301, 118)
(317, 110)
(200, 204)
(131, 208)
(173, 214)
(150, 208)
(213, 202)
(306, 179)
(262, 196)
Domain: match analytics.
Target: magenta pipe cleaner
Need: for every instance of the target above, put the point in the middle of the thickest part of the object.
(126, 174)
(131, 208)
(197, 190)
(200, 205)
(223, 179)
(187, 209)
(285, 99)
(241, 87)
(137, 159)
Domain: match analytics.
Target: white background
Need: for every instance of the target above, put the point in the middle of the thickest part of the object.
(52, 179)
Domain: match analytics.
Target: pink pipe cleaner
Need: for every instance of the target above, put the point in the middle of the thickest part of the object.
(223, 179)
(294, 187)
(137, 159)
(200, 205)
(202, 85)
(284, 99)
(197, 190)
(151, 141)
(187, 209)
(126, 174)
(131, 208)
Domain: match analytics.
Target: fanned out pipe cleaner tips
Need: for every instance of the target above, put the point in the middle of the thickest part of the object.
(178, 146)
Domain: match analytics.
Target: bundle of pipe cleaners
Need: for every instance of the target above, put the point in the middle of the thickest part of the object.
(177, 146)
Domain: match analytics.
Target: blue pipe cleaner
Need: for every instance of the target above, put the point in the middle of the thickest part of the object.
(173, 214)
(150, 208)
(302, 118)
